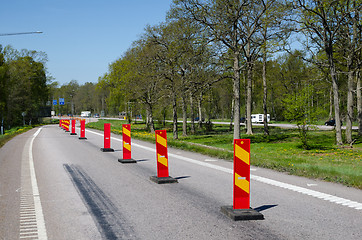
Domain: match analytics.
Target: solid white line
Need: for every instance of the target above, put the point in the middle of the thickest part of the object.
(313, 193)
(42, 234)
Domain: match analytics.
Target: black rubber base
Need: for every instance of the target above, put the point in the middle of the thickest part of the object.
(127, 160)
(73, 134)
(107, 149)
(241, 214)
(82, 138)
(163, 180)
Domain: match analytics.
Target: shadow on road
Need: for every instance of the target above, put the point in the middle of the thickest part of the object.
(182, 177)
(264, 207)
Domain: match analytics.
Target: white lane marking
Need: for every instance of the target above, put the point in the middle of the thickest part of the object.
(42, 234)
(316, 194)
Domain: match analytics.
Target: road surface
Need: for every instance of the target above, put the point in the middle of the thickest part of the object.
(55, 186)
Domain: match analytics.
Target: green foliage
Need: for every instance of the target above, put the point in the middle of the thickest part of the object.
(297, 108)
(10, 133)
(23, 85)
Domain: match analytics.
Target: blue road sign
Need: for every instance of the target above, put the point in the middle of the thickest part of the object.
(61, 101)
(55, 102)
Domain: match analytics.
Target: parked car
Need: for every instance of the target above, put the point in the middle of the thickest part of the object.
(197, 119)
(96, 115)
(331, 122)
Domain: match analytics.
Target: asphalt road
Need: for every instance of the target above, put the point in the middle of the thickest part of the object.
(55, 186)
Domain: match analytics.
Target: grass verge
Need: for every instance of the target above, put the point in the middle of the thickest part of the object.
(281, 150)
(9, 134)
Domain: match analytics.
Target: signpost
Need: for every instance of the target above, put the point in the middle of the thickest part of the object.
(61, 101)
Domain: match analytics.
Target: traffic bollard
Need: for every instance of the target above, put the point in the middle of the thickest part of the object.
(107, 138)
(241, 190)
(126, 140)
(162, 159)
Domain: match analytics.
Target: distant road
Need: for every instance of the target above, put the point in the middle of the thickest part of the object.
(55, 186)
(281, 125)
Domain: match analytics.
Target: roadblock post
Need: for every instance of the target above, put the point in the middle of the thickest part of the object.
(107, 138)
(66, 125)
(241, 191)
(60, 123)
(162, 159)
(73, 127)
(82, 129)
(126, 141)
(63, 124)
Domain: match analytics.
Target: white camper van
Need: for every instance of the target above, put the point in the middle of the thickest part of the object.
(85, 114)
(259, 118)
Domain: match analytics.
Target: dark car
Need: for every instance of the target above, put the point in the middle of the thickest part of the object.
(331, 122)
(197, 119)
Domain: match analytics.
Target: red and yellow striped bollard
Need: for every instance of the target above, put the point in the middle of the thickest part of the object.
(241, 195)
(126, 140)
(66, 125)
(241, 174)
(162, 159)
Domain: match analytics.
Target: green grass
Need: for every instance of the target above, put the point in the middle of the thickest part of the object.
(9, 134)
(280, 151)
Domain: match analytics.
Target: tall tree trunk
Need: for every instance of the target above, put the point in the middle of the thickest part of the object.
(236, 93)
(200, 109)
(232, 115)
(349, 107)
(184, 115)
(192, 113)
(333, 73)
(174, 113)
(266, 129)
(359, 102)
(330, 103)
(249, 128)
(149, 118)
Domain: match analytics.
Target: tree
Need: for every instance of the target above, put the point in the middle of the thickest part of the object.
(321, 22)
(296, 108)
(274, 31)
(349, 47)
(236, 25)
(27, 90)
(4, 78)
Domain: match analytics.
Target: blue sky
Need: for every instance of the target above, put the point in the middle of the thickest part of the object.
(80, 37)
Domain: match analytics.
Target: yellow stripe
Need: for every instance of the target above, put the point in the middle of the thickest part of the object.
(242, 183)
(162, 159)
(127, 146)
(162, 141)
(126, 132)
(242, 154)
